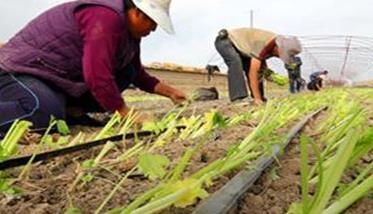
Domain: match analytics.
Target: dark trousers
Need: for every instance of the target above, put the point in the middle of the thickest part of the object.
(28, 98)
(315, 84)
(296, 82)
(238, 65)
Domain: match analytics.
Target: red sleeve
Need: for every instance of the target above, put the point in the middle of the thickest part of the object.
(143, 79)
(100, 29)
(267, 50)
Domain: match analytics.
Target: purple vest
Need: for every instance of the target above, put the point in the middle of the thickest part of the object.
(51, 48)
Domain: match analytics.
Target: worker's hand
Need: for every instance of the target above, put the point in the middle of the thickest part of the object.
(175, 95)
(258, 102)
(140, 117)
(178, 97)
(123, 111)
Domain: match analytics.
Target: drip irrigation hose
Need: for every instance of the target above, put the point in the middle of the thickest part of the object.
(226, 198)
(20, 161)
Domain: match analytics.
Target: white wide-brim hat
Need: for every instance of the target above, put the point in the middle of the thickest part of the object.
(159, 11)
(288, 47)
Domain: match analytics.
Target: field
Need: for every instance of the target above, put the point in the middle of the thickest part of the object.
(326, 168)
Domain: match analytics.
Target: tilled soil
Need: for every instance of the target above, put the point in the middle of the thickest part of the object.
(280, 186)
(47, 188)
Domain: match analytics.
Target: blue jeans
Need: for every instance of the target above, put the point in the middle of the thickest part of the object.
(238, 65)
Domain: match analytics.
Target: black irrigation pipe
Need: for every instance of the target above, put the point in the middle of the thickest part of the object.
(226, 198)
(20, 161)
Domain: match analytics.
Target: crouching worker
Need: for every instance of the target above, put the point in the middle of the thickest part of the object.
(245, 51)
(316, 80)
(79, 55)
(296, 82)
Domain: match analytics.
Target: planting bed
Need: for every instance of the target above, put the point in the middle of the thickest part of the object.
(46, 189)
(280, 186)
(49, 187)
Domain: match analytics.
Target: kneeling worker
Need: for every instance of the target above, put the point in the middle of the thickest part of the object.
(79, 55)
(316, 80)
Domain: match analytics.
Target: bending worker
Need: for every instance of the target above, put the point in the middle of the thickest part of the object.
(245, 51)
(80, 55)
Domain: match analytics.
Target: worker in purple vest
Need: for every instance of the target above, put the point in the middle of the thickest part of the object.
(78, 57)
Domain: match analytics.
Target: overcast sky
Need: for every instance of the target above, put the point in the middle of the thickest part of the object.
(197, 22)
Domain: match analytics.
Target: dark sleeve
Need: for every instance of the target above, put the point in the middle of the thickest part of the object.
(143, 79)
(298, 60)
(100, 29)
(313, 76)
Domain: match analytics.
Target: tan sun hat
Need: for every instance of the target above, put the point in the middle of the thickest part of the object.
(159, 11)
(288, 47)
